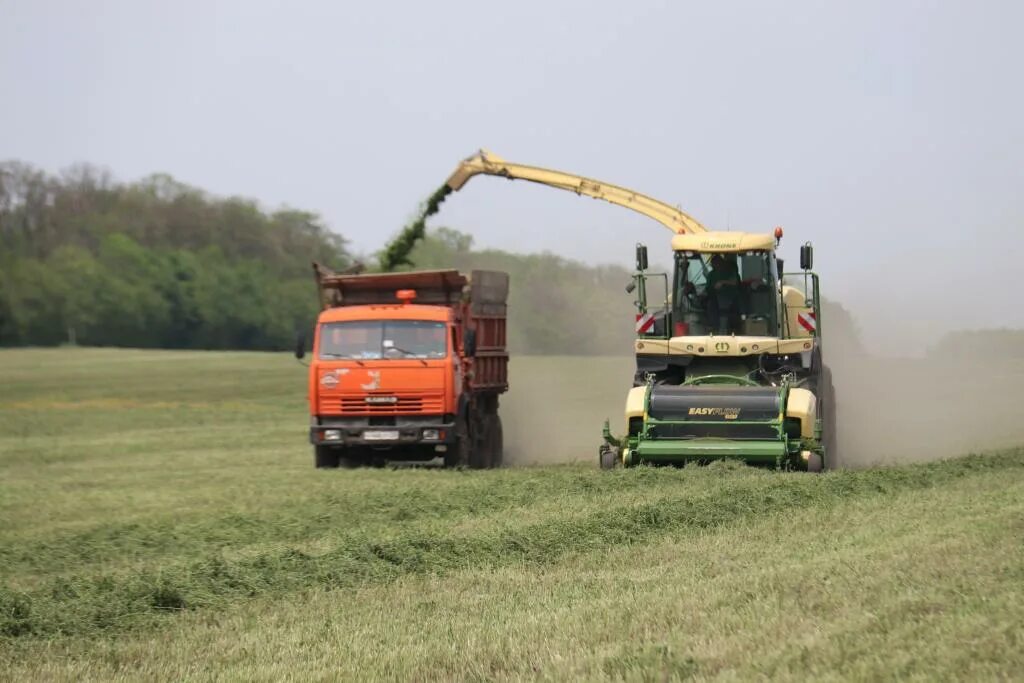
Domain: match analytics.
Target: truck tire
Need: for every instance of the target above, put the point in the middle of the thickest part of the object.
(497, 442)
(332, 458)
(458, 454)
(326, 458)
(480, 438)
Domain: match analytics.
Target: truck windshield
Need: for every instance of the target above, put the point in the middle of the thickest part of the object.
(726, 293)
(383, 339)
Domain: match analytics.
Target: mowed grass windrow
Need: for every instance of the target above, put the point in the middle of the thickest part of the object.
(161, 518)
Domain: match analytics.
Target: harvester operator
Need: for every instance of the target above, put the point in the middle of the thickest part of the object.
(723, 295)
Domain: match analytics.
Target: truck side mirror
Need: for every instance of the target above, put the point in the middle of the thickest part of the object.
(806, 256)
(469, 343)
(300, 345)
(641, 257)
(780, 266)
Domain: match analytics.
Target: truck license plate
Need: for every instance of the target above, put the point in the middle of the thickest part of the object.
(381, 435)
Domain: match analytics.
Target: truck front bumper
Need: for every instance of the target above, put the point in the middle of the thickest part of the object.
(352, 433)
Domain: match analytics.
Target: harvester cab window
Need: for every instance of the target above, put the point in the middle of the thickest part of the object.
(383, 339)
(725, 293)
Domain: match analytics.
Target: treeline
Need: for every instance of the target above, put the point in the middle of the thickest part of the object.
(157, 263)
(154, 263)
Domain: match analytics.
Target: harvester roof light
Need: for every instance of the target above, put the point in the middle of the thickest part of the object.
(778, 234)
(405, 295)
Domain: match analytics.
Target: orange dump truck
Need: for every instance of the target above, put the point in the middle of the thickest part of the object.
(408, 367)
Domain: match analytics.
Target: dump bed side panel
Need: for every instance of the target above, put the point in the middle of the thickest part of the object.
(487, 313)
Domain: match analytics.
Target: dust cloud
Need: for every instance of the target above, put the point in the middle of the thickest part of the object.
(556, 406)
(889, 410)
(907, 410)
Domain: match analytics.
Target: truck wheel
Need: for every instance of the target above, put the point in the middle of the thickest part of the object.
(480, 438)
(326, 458)
(458, 454)
(497, 442)
(331, 458)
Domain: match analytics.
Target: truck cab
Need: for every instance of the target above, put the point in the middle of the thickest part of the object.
(392, 379)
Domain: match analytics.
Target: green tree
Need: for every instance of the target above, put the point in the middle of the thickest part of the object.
(151, 263)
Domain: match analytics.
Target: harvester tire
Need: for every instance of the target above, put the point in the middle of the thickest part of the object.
(607, 458)
(814, 463)
(326, 458)
(829, 424)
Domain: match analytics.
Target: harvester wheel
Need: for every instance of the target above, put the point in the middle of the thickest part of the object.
(831, 435)
(814, 462)
(607, 457)
(326, 458)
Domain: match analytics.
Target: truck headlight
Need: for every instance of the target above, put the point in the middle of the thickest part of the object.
(431, 434)
(332, 435)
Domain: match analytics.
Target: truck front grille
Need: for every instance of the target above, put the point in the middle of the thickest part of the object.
(404, 404)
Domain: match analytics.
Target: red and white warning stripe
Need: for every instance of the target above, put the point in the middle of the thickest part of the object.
(644, 323)
(807, 321)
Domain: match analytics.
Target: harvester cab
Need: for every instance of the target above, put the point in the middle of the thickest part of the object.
(728, 345)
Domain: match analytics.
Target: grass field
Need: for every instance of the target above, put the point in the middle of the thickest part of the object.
(160, 519)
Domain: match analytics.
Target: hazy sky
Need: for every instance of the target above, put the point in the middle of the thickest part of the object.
(891, 134)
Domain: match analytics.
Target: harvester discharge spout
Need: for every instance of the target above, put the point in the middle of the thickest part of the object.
(487, 163)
